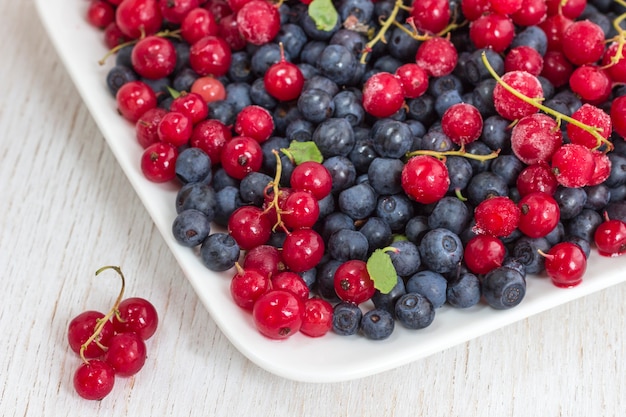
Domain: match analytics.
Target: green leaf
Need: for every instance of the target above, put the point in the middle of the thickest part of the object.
(323, 14)
(382, 271)
(173, 93)
(300, 152)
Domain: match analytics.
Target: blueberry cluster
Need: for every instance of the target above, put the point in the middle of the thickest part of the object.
(367, 208)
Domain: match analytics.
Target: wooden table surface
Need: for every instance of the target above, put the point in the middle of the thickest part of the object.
(67, 209)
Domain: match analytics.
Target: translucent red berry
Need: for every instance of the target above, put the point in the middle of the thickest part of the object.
(484, 253)
(382, 95)
(277, 314)
(496, 216)
(94, 380)
(353, 283)
(462, 123)
(610, 237)
(425, 179)
(539, 214)
(565, 264)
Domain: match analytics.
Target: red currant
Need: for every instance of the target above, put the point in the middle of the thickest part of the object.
(573, 165)
(425, 179)
(618, 115)
(100, 14)
(126, 354)
(211, 136)
(146, 126)
(313, 177)
(492, 30)
(210, 55)
(300, 210)
(240, 156)
(523, 58)
(536, 178)
(531, 13)
(247, 285)
(137, 18)
(565, 264)
(508, 105)
(94, 380)
(589, 115)
(303, 249)
(249, 226)
(82, 327)
(614, 66)
(496, 216)
(266, 259)
(277, 314)
(153, 57)
(540, 214)
(414, 80)
(431, 15)
(556, 68)
(134, 99)
(136, 315)
(292, 282)
(158, 162)
(255, 122)
(197, 24)
(317, 318)
(175, 11)
(353, 283)
(258, 21)
(610, 237)
(591, 83)
(209, 88)
(437, 56)
(192, 105)
(283, 80)
(462, 123)
(535, 138)
(484, 253)
(175, 128)
(382, 95)
(583, 42)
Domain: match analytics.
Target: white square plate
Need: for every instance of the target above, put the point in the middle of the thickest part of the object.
(330, 358)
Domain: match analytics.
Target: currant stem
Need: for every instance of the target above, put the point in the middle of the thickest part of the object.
(557, 115)
(102, 321)
(381, 33)
(620, 38)
(461, 152)
(165, 34)
(275, 186)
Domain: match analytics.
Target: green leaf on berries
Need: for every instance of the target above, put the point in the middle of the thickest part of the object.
(300, 152)
(323, 14)
(382, 271)
(173, 93)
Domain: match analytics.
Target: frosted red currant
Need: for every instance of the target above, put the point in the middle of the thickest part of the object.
(437, 56)
(535, 138)
(496, 216)
(462, 123)
(508, 105)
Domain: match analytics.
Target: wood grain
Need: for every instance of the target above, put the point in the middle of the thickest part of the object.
(67, 209)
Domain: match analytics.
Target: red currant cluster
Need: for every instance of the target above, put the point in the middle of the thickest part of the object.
(111, 344)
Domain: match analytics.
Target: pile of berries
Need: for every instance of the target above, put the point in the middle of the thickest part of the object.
(402, 154)
(111, 344)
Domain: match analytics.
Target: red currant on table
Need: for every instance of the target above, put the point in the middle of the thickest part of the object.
(136, 315)
(94, 380)
(82, 327)
(126, 353)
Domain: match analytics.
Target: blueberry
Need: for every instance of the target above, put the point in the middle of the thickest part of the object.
(556, 234)
(266, 56)
(415, 229)
(292, 37)
(334, 222)
(118, 76)
(526, 250)
(414, 311)
(391, 138)
(387, 301)
(219, 252)
(334, 137)
(198, 196)
(260, 96)
(311, 52)
(459, 171)
(240, 69)
(474, 68)
(227, 200)
(377, 232)
(342, 172)
(238, 94)
(346, 318)
(422, 109)
(496, 133)
(184, 79)
(360, 9)
(353, 41)
(464, 292)
(357, 201)
(221, 179)
(191, 227)
(584, 224)
(377, 324)
(450, 213)
(438, 85)
(384, 175)
(193, 165)
(252, 188)
(446, 99)
(441, 250)
(430, 284)
(224, 111)
(323, 83)
(436, 140)
(402, 45)
(532, 36)
(348, 106)
(325, 279)
(598, 196)
(507, 167)
(346, 244)
(571, 201)
(363, 153)
(503, 288)
(396, 210)
(406, 258)
(300, 130)
(484, 185)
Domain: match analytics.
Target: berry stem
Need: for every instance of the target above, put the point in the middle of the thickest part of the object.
(107, 316)
(164, 33)
(386, 24)
(461, 152)
(275, 186)
(557, 115)
(620, 38)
